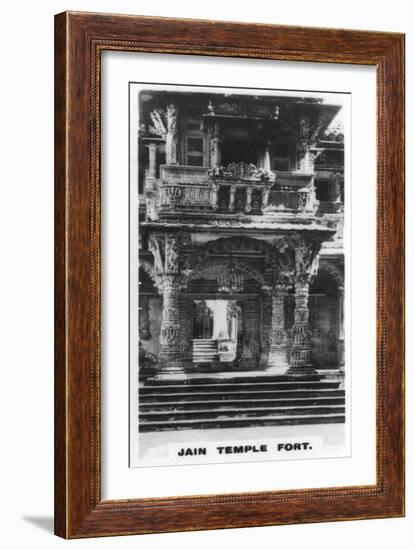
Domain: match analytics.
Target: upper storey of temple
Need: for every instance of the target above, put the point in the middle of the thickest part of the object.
(209, 158)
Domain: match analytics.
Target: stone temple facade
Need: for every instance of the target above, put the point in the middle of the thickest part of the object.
(241, 236)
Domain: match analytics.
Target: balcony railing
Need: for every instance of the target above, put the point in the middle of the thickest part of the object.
(237, 189)
(179, 173)
(184, 196)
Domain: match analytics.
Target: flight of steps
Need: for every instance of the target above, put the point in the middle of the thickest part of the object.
(205, 350)
(202, 403)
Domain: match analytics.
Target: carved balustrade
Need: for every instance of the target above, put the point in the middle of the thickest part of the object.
(239, 188)
(181, 196)
(180, 173)
(293, 192)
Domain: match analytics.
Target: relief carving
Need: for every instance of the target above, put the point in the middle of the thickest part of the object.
(172, 254)
(172, 118)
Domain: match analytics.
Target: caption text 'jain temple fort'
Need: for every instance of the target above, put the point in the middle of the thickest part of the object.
(241, 277)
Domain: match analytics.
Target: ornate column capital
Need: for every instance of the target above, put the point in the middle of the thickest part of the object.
(171, 283)
(302, 283)
(281, 286)
(165, 248)
(306, 259)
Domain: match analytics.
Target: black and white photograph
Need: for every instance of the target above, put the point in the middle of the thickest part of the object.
(208, 258)
(238, 275)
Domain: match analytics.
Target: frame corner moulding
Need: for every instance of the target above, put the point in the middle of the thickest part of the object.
(80, 39)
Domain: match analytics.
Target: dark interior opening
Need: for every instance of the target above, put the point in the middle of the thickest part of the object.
(237, 150)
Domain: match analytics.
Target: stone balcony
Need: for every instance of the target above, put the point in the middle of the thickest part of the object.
(239, 188)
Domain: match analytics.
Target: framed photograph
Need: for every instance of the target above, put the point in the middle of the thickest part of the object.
(229, 280)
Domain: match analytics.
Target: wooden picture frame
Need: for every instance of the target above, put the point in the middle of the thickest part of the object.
(79, 40)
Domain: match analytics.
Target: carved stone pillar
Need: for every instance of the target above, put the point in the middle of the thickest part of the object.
(278, 343)
(266, 316)
(214, 196)
(170, 356)
(165, 249)
(307, 132)
(186, 333)
(152, 161)
(300, 332)
(171, 135)
(215, 149)
(264, 195)
(248, 199)
(267, 158)
(232, 192)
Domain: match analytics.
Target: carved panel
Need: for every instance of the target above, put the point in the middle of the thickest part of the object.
(177, 196)
(242, 171)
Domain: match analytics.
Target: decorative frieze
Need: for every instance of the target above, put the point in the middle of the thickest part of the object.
(242, 171)
(175, 196)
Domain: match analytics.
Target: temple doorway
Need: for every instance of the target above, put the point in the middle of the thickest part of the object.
(217, 331)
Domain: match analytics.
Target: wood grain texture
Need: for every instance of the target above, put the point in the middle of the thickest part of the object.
(79, 39)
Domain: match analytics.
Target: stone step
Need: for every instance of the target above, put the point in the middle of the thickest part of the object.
(274, 420)
(237, 386)
(241, 404)
(206, 343)
(202, 343)
(221, 378)
(221, 414)
(231, 395)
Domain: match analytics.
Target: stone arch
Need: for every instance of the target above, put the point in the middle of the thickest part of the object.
(336, 273)
(279, 256)
(326, 314)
